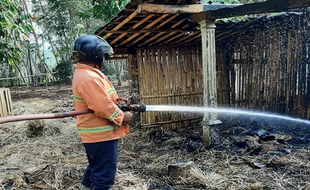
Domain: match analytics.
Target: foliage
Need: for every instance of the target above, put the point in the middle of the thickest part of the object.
(13, 31)
(57, 23)
(63, 72)
(109, 70)
(107, 8)
(56, 18)
(62, 21)
(8, 71)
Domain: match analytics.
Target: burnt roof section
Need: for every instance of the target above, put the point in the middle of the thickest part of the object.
(227, 30)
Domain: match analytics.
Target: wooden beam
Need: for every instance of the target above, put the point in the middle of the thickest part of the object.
(121, 51)
(132, 28)
(177, 9)
(174, 37)
(193, 38)
(184, 37)
(138, 39)
(146, 27)
(117, 19)
(152, 38)
(162, 46)
(147, 31)
(118, 38)
(132, 15)
(166, 21)
(177, 36)
(162, 24)
(170, 33)
(156, 21)
(187, 36)
(118, 58)
(253, 8)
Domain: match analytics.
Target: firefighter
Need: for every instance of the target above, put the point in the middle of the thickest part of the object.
(100, 130)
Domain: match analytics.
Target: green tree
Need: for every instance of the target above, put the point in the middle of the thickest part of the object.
(109, 70)
(63, 72)
(34, 60)
(62, 21)
(13, 32)
(106, 9)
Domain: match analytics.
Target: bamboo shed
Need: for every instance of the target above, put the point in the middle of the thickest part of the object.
(265, 66)
(171, 49)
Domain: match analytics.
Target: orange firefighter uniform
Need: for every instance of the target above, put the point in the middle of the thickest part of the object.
(92, 90)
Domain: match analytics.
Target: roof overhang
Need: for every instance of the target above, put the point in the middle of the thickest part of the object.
(143, 24)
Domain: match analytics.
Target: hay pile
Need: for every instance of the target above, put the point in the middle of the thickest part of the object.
(49, 155)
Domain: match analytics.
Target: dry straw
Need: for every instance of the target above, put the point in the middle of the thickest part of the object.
(49, 155)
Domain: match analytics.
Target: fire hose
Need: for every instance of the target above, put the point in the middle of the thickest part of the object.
(122, 103)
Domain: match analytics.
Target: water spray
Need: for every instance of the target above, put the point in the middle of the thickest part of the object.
(223, 111)
(125, 105)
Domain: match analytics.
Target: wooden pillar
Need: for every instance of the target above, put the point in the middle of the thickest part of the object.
(207, 28)
(133, 75)
(130, 65)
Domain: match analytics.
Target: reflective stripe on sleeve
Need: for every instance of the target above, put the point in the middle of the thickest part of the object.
(77, 98)
(113, 116)
(111, 91)
(96, 129)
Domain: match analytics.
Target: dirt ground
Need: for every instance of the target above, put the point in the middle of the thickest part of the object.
(253, 153)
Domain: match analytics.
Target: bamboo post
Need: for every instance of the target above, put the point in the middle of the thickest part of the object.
(207, 28)
(6, 107)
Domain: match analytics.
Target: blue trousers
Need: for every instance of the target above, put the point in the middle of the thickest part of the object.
(101, 170)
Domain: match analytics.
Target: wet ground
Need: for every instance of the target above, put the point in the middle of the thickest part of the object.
(252, 152)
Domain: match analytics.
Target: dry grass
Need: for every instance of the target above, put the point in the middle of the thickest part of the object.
(49, 155)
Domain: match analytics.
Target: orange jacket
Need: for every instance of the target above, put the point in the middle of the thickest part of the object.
(92, 90)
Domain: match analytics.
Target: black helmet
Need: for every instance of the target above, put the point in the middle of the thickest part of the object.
(92, 48)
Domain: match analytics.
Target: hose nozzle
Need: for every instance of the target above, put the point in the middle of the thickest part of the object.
(124, 105)
(137, 107)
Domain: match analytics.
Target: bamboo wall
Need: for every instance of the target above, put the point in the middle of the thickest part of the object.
(263, 66)
(266, 67)
(170, 76)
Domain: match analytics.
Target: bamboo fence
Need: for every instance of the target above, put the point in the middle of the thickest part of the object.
(170, 76)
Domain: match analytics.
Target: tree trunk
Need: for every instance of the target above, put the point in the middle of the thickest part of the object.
(36, 43)
(119, 80)
(20, 72)
(119, 70)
